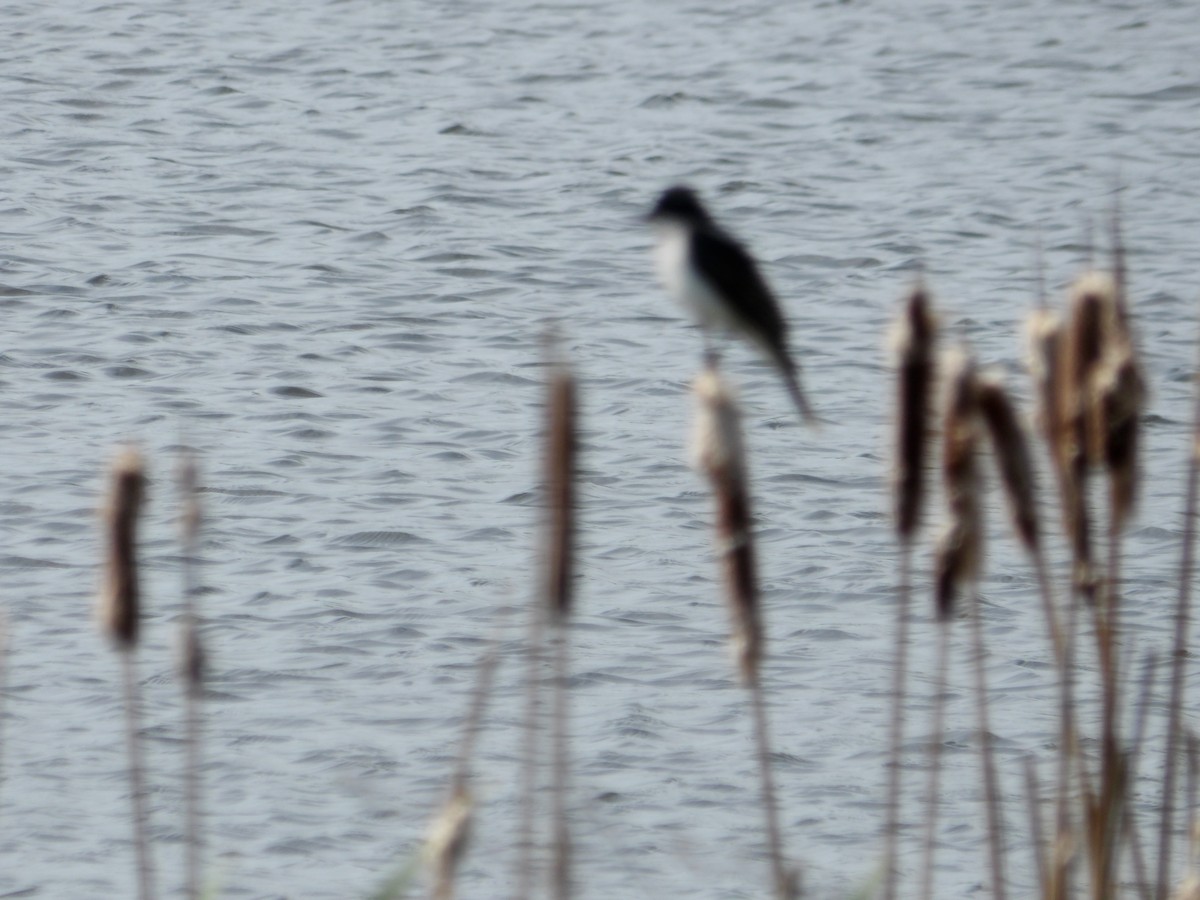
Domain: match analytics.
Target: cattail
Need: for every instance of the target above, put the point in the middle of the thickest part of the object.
(1044, 335)
(1090, 310)
(560, 491)
(960, 550)
(1012, 457)
(717, 451)
(1080, 440)
(913, 342)
(1120, 393)
(117, 608)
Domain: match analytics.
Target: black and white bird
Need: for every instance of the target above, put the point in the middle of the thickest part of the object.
(710, 274)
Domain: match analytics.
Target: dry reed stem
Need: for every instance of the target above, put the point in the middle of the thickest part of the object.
(531, 730)
(991, 789)
(560, 874)
(896, 730)
(718, 451)
(447, 841)
(934, 760)
(449, 834)
(1037, 833)
(1179, 653)
(192, 670)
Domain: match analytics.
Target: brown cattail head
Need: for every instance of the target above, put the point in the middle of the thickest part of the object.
(1121, 397)
(1044, 336)
(960, 552)
(560, 459)
(1106, 392)
(1012, 457)
(913, 341)
(117, 605)
(1090, 314)
(717, 451)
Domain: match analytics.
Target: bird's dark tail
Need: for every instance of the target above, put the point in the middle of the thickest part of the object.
(791, 375)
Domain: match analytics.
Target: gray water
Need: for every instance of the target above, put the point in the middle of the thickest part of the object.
(321, 242)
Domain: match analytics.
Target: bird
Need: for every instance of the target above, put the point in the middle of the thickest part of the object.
(713, 276)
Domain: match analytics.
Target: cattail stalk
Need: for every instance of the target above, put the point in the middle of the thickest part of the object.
(118, 614)
(448, 837)
(191, 667)
(1033, 797)
(913, 347)
(718, 452)
(1179, 657)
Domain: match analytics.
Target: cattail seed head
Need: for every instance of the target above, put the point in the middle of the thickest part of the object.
(1121, 397)
(1012, 457)
(1091, 311)
(914, 336)
(960, 553)
(117, 607)
(560, 459)
(1043, 332)
(717, 451)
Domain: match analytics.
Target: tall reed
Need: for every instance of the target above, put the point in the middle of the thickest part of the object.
(192, 666)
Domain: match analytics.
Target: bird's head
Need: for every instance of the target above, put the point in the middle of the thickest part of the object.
(678, 204)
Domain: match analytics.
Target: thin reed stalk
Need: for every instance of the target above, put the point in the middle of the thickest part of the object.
(118, 615)
(719, 453)
(1037, 833)
(450, 833)
(934, 758)
(991, 788)
(1179, 656)
(530, 758)
(192, 670)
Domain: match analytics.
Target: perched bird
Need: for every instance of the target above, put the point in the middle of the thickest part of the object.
(711, 275)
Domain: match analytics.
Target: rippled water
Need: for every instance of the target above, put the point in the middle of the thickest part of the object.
(322, 243)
